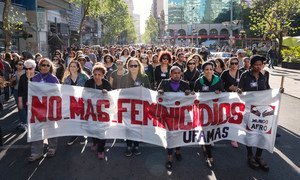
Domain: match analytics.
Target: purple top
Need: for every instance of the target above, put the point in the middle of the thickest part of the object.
(47, 78)
(175, 85)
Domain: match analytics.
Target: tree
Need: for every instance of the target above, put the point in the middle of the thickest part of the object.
(11, 22)
(225, 13)
(114, 16)
(117, 22)
(273, 18)
(151, 31)
(91, 8)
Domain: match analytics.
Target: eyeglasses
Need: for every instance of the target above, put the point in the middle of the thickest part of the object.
(234, 63)
(28, 69)
(119, 64)
(45, 65)
(134, 66)
(81, 59)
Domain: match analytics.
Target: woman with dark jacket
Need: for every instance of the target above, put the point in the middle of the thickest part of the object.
(134, 78)
(198, 60)
(98, 82)
(254, 80)
(231, 78)
(59, 67)
(174, 84)
(191, 74)
(162, 71)
(29, 66)
(116, 76)
(148, 68)
(110, 65)
(209, 82)
(220, 66)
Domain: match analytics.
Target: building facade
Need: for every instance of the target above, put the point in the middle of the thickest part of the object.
(191, 21)
(136, 18)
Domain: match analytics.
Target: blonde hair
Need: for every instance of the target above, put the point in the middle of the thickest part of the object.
(141, 67)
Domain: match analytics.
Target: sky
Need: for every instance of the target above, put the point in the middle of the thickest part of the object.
(143, 8)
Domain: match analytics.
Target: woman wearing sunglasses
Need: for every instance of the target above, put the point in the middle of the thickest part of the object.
(162, 71)
(116, 76)
(231, 79)
(191, 74)
(148, 68)
(59, 68)
(44, 76)
(134, 78)
(29, 66)
(209, 82)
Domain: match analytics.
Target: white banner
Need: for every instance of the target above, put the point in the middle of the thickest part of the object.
(140, 114)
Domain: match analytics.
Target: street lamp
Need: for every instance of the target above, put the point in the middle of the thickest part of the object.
(242, 36)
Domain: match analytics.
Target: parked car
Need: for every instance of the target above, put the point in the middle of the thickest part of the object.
(220, 54)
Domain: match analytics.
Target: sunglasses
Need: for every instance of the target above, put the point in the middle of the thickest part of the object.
(134, 66)
(28, 69)
(236, 63)
(45, 65)
(191, 63)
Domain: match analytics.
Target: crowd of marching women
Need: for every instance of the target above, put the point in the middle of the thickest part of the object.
(163, 69)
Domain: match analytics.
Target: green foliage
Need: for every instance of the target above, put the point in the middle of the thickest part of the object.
(151, 31)
(291, 55)
(94, 7)
(225, 13)
(273, 18)
(12, 22)
(116, 20)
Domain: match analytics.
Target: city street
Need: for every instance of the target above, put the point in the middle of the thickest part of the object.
(79, 162)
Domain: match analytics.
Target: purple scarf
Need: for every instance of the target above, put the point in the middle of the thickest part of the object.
(175, 85)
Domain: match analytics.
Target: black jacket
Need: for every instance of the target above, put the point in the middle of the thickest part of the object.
(248, 82)
(166, 87)
(91, 84)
